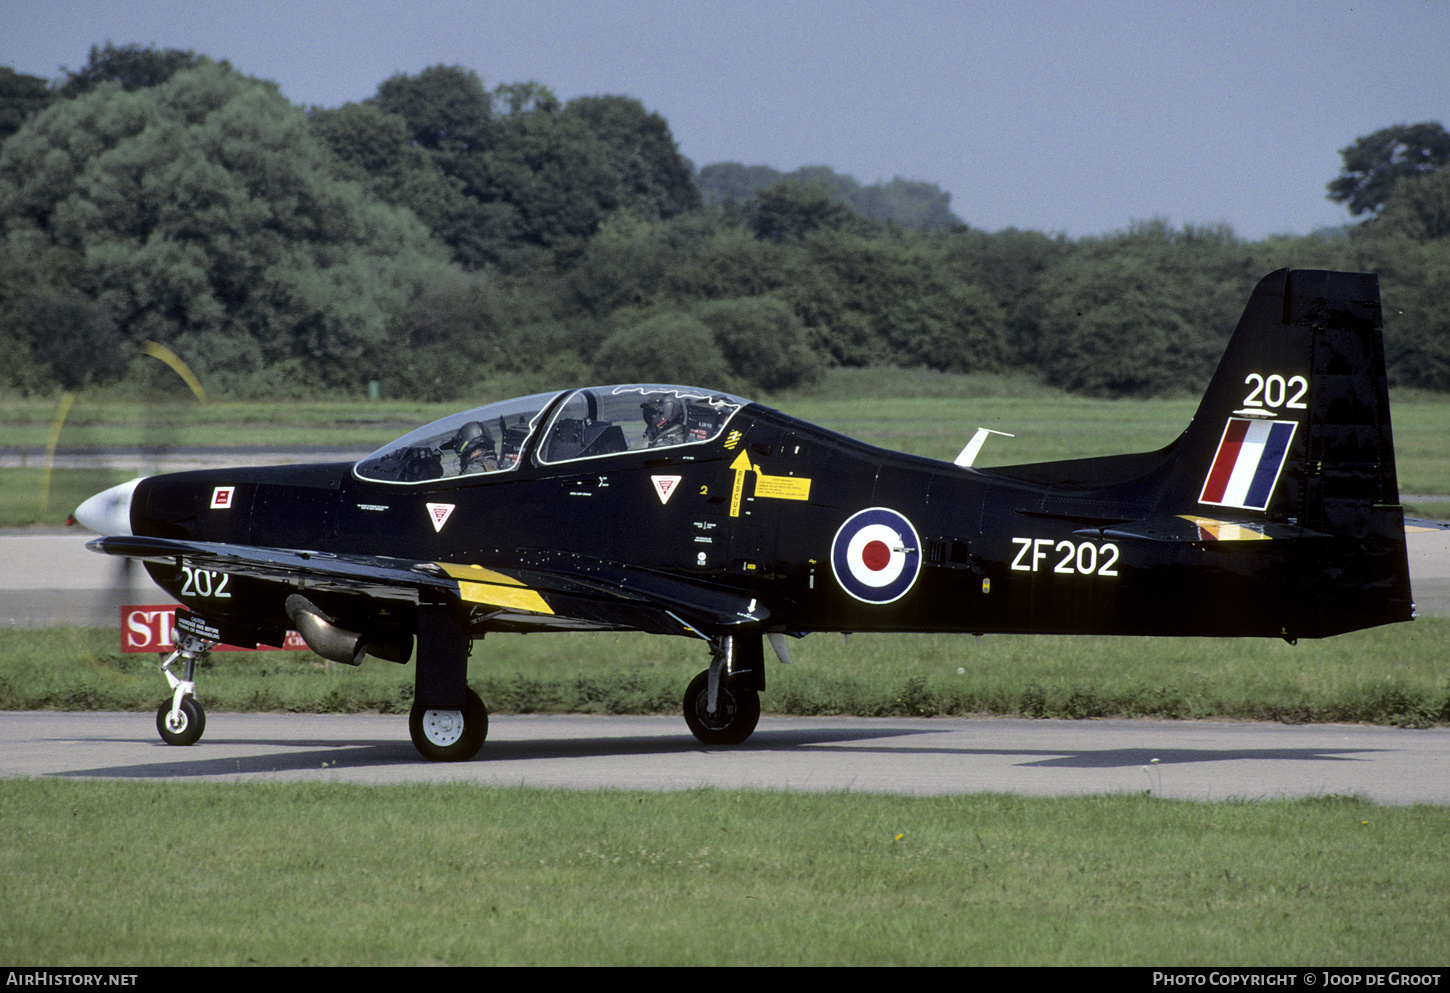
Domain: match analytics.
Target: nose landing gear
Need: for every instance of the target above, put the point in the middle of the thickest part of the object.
(181, 720)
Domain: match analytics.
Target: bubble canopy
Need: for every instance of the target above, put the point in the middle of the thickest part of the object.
(553, 428)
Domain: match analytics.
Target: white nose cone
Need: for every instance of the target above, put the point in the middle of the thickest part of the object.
(109, 511)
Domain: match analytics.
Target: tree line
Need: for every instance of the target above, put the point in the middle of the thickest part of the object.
(442, 235)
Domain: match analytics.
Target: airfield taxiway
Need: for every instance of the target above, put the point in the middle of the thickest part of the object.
(1192, 760)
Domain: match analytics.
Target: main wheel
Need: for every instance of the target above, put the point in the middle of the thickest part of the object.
(186, 729)
(450, 735)
(737, 711)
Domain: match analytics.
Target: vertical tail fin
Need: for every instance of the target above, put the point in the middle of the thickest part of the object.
(1295, 424)
(1293, 438)
(1285, 478)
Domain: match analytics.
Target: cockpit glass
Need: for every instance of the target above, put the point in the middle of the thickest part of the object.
(485, 439)
(613, 419)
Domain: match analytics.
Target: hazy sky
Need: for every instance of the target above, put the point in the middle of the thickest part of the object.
(1077, 117)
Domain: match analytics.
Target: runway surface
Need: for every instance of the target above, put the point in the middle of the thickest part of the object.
(1192, 760)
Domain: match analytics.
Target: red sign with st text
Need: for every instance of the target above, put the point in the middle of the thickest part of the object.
(147, 628)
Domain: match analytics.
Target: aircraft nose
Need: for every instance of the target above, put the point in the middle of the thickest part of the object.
(109, 511)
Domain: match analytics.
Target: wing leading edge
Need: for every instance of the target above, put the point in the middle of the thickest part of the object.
(548, 591)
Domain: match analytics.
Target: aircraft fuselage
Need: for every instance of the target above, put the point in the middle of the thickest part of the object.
(771, 510)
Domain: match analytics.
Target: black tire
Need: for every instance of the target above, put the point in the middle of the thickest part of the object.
(439, 739)
(190, 722)
(737, 711)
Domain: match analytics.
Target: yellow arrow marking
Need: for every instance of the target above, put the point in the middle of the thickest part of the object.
(767, 487)
(740, 466)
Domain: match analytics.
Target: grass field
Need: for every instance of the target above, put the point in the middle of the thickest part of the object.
(1391, 675)
(334, 874)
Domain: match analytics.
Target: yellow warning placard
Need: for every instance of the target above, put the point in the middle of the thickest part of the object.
(781, 487)
(767, 487)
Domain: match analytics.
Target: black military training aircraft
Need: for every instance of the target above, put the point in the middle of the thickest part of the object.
(691, 512)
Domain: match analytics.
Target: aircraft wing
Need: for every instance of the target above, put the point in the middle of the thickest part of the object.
(582, 593)
(546, 590)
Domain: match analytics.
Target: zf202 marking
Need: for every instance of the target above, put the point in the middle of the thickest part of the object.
(1085, 558)
(1274, 391)
(204, 583)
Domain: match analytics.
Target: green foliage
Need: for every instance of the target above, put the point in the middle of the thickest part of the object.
(159, 195)
(653, 179)
(1016, 269)
(1418, 208)
(1376, 163)
(1142, 313)
(468, 328)
(374, 149)
(1417, 341)
(36, 281)
(910, 204)
(538, 179)
(733, 181)
(886, 298)
(211, 219)
(21, 97)
(130, 67)
(682, 262)
(74, 336)
(790, 210)
(762, 341)
(446, 108)
(669, 347)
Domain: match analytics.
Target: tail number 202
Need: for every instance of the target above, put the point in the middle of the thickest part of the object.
(1084, 558)
(1275, 391)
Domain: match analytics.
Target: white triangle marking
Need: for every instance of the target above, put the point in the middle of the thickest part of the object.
(439, 513)
(665, 486)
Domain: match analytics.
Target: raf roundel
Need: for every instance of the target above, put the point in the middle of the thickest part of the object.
(876, 555)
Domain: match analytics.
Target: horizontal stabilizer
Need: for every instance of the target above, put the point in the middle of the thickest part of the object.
(1194, 528)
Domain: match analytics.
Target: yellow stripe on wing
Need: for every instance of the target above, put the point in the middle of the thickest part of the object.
(479, 585)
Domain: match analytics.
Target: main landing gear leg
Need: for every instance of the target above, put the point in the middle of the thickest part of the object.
(181, 720)
(448, 721)
(722, 704)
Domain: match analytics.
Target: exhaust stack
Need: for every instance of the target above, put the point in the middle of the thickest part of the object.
(336, 644)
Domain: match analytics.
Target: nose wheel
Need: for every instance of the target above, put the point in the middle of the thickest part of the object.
(181, 725)
(181, 720)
